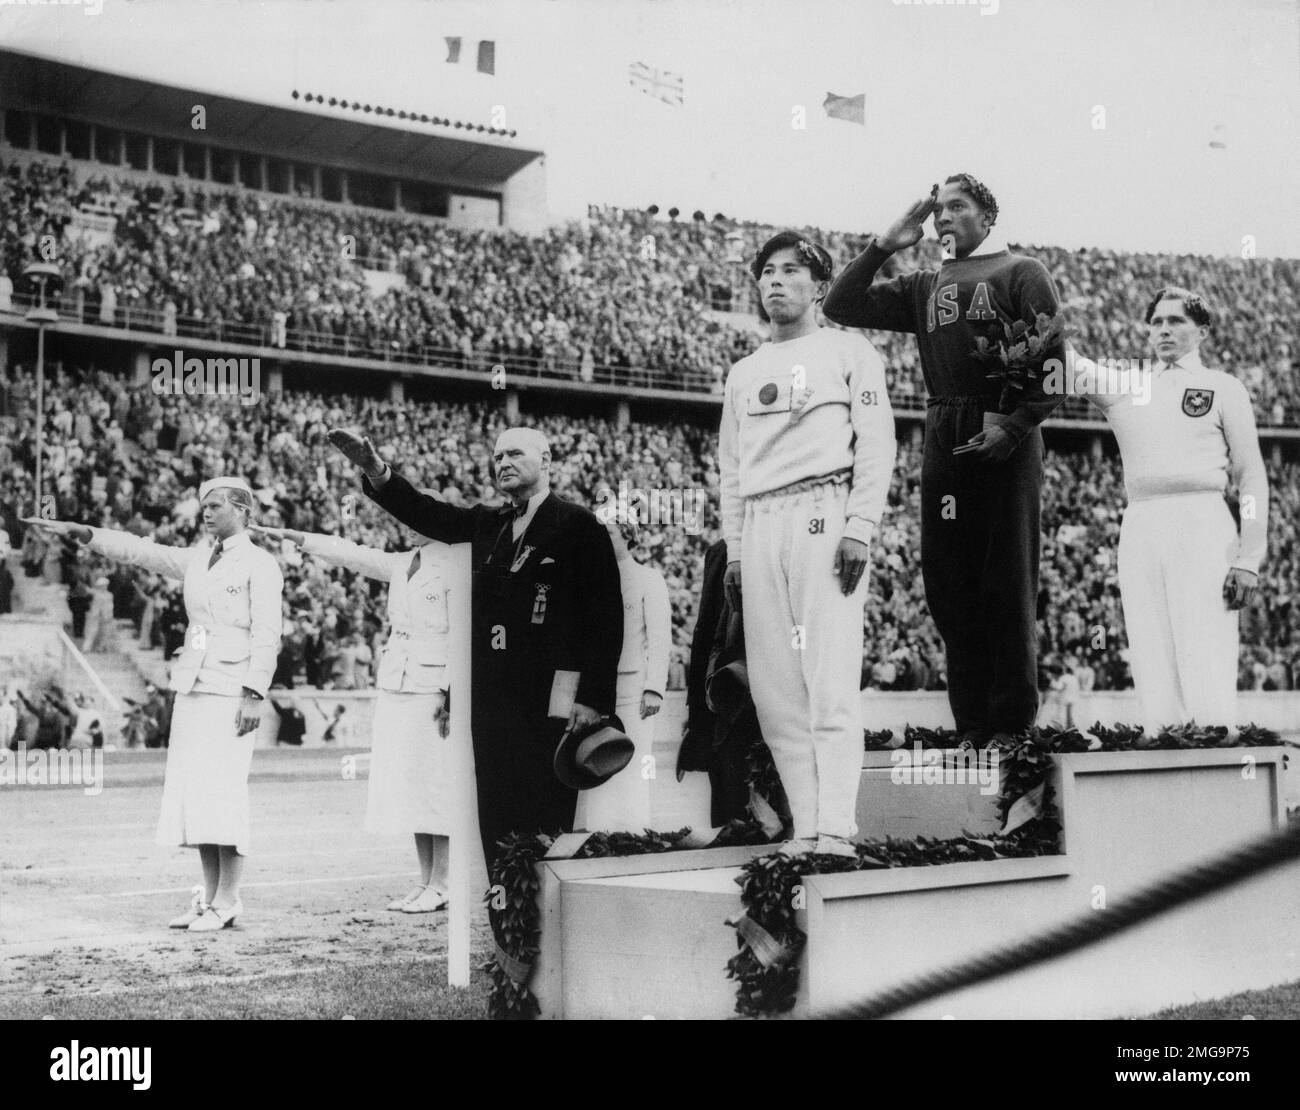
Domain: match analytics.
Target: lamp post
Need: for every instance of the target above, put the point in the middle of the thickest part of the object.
(735, 263)
(41, 275)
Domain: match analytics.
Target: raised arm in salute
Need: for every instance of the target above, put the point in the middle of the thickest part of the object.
(547, 623)
(221, 674)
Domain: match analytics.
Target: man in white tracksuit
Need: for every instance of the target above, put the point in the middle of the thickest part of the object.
(622, 804)
(1185, 570)
(806, 452)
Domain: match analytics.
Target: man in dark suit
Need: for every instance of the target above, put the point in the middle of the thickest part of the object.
(547, 616)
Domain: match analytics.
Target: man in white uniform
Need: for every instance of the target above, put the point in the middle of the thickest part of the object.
(1185, 568)
(622, 804)
(806, 451)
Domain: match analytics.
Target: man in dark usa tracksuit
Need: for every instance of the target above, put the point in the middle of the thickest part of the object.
(980, 505)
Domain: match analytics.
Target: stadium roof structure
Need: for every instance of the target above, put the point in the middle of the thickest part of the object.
(378, 142)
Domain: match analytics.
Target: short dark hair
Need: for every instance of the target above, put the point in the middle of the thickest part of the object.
(978, 192)
(816, 257)
(1195, 305)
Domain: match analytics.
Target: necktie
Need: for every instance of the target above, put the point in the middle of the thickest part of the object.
(216, 554)
(517, 519)
(415, 565)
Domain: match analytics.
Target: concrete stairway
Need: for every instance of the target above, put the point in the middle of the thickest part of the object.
(118, 670)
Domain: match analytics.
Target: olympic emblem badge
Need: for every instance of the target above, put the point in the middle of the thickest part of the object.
(232, 589)
(1197, 402)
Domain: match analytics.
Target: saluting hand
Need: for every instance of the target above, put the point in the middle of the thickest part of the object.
(279, 533)
(78, 532)
(907, 229)
(359, 450)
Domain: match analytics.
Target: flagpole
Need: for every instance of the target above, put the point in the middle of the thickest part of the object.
(463, 847)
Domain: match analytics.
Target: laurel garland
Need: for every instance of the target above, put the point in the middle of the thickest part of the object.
(514, 914)
(769, 941)
(767, 974)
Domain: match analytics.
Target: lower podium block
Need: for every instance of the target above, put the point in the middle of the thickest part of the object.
(639, 936)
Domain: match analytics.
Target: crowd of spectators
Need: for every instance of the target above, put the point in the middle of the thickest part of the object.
(621, 295)
(128, 458)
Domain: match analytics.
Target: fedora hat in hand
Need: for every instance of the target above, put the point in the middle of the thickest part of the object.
(586, 757)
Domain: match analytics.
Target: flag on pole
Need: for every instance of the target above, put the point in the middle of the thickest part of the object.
(487, 53)
(851, 108)
(659, 83)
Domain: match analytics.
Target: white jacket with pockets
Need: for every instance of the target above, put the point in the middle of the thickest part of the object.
(414, 659)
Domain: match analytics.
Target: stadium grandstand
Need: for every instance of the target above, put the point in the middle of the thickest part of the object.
(398, 271)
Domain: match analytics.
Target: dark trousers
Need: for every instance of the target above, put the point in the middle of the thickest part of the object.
(979, 560)
(517, 787)
(728, 787)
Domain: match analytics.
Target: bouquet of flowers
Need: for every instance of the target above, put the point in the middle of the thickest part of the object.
(1016, 351)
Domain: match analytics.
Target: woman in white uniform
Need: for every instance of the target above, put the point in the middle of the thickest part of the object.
(623, 803)
(409, 790)
(220, 674)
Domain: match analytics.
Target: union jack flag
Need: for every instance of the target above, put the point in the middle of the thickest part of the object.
(659, 83)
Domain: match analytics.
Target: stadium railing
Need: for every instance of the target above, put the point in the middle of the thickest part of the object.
(131, 316)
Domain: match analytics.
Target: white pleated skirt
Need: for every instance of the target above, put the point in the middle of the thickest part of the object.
(205, 787)
(409, 790)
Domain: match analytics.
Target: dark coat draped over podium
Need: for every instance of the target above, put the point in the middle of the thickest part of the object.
(721, 744)
(549, 602)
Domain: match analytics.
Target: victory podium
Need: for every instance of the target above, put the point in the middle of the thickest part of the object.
(647, 936)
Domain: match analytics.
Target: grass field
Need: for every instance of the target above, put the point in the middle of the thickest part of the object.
(85, 895)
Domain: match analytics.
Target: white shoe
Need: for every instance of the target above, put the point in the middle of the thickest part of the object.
(214, 919)
(410, 896)
(197, 906)
(798, 846)
(427, 901)
(835, 846)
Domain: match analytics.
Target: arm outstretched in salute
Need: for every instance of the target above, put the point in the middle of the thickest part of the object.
(403, 502)
(339, 552)
(122, 547)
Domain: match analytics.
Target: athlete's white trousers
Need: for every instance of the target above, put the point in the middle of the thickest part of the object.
(623, 803)
(803, 648)
(1174, 553)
